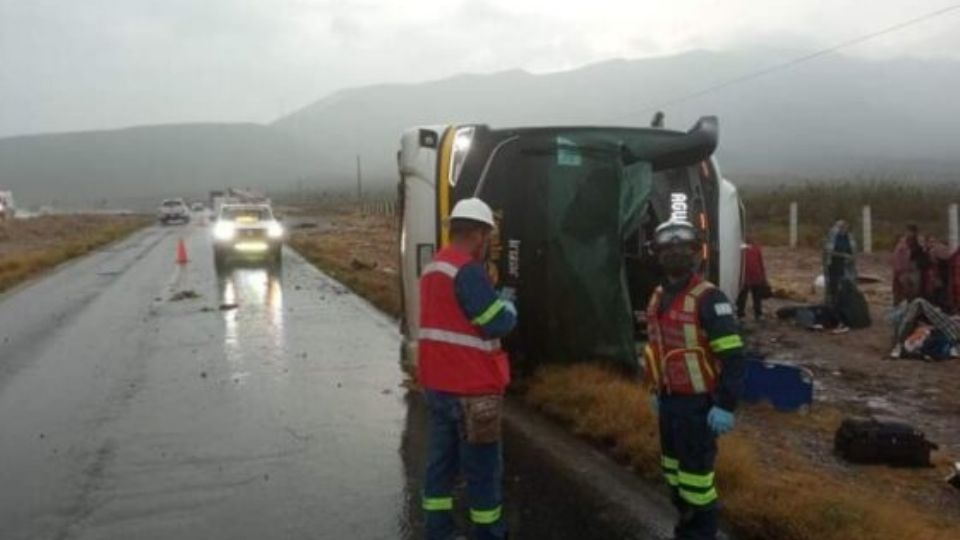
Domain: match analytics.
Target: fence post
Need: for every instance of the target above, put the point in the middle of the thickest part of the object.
(793, 224)
(867, 230)
(954, 228)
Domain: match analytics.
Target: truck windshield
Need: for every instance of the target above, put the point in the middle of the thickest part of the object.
(246, 214)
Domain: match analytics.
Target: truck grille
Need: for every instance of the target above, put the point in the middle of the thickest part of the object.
(252, 234)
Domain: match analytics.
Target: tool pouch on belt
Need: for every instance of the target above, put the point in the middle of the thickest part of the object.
(482, 418)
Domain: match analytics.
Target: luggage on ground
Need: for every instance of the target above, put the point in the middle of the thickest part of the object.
(852, 306)
(811, 317)
(880, 442)
(788, 388)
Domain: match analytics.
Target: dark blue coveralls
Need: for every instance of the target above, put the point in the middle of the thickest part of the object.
(688, 445)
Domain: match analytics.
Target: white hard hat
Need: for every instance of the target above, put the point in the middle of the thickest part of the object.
(675, 232)
(475, 210)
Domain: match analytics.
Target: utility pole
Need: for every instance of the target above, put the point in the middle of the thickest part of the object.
(359, 180)
(793, 225)
(954, 224)
(867, 230)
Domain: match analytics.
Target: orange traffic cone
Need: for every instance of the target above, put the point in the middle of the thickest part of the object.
(182, 253)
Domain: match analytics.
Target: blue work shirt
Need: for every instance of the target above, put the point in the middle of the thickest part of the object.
(480, 302)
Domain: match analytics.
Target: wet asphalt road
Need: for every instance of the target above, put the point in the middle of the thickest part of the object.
(125, 414)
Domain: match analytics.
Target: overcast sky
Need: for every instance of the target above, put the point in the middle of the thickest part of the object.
(89, 64)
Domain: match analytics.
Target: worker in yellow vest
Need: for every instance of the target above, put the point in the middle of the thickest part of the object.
(694, 363)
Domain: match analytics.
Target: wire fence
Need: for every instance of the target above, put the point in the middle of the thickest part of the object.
(382, 207)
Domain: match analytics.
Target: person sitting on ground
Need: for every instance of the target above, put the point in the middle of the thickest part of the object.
(909, 315)
(753, 279)
(838, 265)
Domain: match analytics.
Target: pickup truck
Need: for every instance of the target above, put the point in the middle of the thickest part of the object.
(173, 210)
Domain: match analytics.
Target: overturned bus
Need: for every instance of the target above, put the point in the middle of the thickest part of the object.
(575, 209)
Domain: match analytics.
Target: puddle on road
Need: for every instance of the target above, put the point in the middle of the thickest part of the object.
(257, 322)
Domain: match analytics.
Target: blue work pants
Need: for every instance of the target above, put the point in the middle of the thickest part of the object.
(450, 454)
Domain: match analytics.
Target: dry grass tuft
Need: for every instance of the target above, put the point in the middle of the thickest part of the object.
(28, 247)
(360, 252)
(768, 493)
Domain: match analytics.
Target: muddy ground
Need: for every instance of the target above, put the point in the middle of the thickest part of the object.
(854, 376)
(853, 371)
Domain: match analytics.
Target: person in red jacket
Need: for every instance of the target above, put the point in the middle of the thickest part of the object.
(464, 372)
(753, 279)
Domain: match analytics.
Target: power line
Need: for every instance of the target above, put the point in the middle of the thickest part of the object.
(805, 58)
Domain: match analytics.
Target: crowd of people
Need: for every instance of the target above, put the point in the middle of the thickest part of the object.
(925, 267)
(925, 271)
(926, 297)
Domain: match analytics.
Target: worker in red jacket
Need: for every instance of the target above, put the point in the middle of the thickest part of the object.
(753, 279)
(464, 373)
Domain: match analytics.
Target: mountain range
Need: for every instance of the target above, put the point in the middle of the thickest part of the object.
(833, 116)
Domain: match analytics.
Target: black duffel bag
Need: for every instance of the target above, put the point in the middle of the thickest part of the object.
(873, 441)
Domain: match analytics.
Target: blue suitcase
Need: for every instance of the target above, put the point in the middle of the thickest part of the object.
(786, 387)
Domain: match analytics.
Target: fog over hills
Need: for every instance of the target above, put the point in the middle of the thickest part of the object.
(833, 116)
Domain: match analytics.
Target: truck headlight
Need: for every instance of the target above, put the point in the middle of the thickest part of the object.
(275, 230)
(224, 230)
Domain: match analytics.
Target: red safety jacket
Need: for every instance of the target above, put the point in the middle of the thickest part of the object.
(454, 356)
(678, 357)
(753, 274)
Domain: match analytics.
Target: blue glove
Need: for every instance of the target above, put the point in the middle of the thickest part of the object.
(510, 307)
(508, 294)
(655, 403)
(720, 420)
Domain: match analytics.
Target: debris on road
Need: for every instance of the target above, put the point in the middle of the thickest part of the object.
(184, 295)
(954, 479)
(228, 307)
(357, 264)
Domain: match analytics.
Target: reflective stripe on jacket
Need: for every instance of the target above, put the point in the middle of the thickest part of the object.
(454, 355)
(679, 358)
